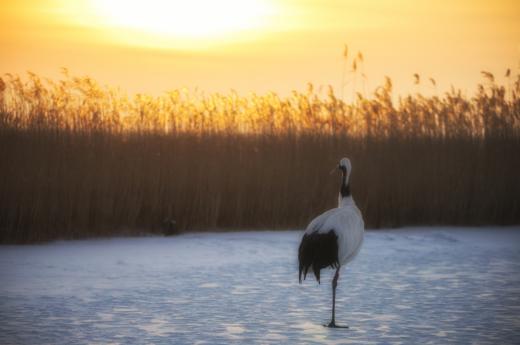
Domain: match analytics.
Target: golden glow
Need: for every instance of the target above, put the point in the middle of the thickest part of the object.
(179, 22)
(263, 45)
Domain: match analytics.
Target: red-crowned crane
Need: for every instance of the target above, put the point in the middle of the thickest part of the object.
(333, 238)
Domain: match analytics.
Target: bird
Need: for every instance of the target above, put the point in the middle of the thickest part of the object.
(333, 238)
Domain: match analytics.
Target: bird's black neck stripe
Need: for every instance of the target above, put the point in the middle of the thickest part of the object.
(345, 186)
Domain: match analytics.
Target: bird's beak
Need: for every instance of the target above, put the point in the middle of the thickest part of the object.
(333, 170)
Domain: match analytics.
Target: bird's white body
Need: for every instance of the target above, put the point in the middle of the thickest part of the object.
(346, 221)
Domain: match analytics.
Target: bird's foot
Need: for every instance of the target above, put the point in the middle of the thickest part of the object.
(332, 324)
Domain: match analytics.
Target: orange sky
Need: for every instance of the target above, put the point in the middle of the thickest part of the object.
(261, 45)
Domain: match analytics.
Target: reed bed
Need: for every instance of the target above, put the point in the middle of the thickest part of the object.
(79, 159)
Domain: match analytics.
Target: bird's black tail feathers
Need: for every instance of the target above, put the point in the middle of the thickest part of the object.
(317, 251)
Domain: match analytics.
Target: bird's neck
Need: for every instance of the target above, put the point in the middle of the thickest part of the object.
(345, 201)
(345, 197)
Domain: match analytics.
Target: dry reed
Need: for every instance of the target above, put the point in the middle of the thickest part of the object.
(83, 160)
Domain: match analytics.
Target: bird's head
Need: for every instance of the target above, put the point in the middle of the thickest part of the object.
(345, 166)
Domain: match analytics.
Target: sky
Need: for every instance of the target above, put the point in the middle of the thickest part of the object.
(263, 45)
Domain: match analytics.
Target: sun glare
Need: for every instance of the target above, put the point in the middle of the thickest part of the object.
(193, 20)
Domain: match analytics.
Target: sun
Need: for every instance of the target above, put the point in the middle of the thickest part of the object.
(185, 20)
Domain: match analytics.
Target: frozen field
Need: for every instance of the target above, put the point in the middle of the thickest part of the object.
(411, 286)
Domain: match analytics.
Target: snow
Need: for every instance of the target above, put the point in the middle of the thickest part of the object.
(409, 286)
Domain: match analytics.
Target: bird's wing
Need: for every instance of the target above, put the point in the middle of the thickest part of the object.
(348, 224)
(319, 223)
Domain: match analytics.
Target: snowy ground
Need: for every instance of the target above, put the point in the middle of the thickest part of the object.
(411, 286)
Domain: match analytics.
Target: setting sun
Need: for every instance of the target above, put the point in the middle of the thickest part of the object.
(195, 21)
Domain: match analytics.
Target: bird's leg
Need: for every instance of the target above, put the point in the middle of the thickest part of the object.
(334, 286)
(332, 323)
